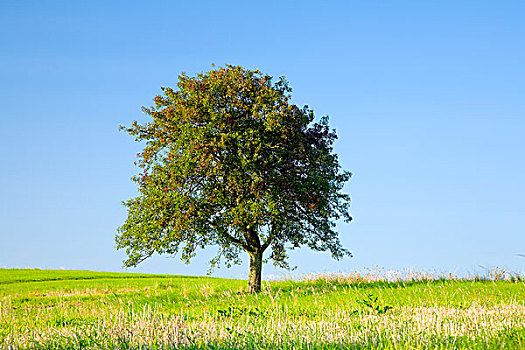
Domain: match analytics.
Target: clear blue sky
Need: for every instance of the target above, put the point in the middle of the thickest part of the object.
(428, 99)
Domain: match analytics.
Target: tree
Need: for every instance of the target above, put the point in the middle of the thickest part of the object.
(230, 162)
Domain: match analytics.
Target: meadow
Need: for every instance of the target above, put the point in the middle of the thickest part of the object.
(49, 309)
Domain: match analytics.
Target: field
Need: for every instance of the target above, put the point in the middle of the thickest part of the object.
(47, 309)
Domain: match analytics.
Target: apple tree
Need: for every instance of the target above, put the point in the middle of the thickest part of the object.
(229, 161)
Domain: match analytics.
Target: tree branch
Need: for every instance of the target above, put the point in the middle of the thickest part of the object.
(225, 234)
(270, 238)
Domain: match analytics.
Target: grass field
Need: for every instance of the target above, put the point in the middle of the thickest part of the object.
(80, 309)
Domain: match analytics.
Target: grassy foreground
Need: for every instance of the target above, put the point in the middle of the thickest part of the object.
(80, 309)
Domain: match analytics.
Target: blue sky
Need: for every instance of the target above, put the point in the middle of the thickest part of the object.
(427, 99)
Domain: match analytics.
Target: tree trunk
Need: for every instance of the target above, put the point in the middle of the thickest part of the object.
(254, 282)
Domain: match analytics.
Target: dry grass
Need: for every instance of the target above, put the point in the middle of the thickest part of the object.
(152, 325)
(382, 275)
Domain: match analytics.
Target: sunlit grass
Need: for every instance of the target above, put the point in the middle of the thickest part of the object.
(360, 310)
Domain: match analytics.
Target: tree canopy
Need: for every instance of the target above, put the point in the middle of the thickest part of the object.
(229, 161)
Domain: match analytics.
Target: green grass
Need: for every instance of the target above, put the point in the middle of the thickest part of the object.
(49, 309)
(8, 276)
